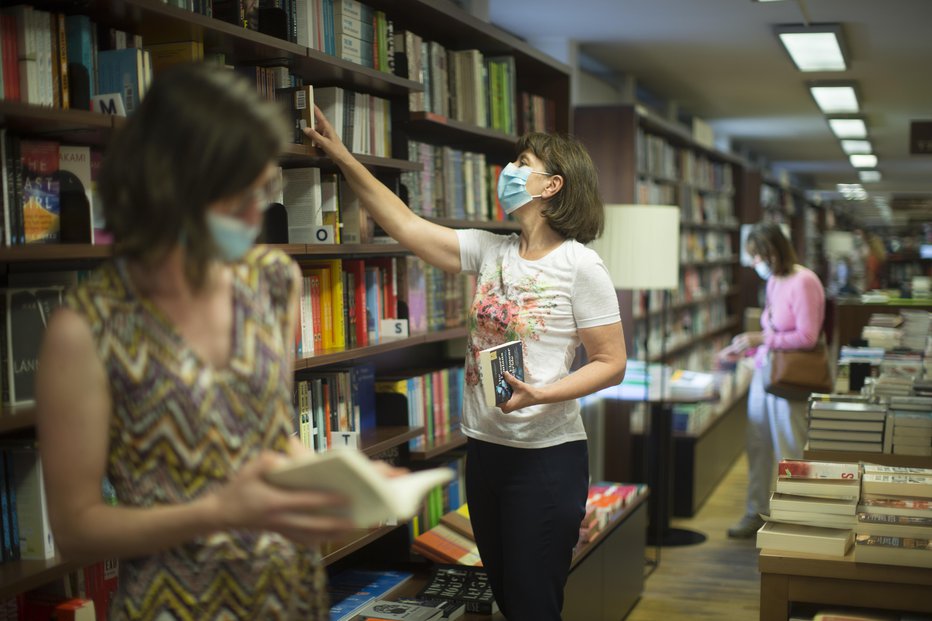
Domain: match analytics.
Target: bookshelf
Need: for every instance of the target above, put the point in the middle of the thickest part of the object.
(156, 22)
(644, 158)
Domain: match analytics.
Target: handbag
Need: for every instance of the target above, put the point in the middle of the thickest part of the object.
(796, 373)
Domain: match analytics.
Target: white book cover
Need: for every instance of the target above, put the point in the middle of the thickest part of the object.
(837, 506)
(374, 497)
(35, 532)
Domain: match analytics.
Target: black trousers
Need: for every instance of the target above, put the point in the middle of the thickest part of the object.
(526, 506)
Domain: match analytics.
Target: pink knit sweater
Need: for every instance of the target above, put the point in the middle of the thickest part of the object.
(794, 313)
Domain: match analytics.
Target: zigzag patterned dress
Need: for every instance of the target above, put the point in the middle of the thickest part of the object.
(180, 428)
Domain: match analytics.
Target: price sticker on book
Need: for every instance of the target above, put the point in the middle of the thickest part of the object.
(394, 328)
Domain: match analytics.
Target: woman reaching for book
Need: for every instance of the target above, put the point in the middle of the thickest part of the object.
(527, 461)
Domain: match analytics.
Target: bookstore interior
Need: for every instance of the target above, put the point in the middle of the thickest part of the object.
(431, 96)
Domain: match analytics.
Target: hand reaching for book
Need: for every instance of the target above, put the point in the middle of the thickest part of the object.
(326, 138)
(249, 502)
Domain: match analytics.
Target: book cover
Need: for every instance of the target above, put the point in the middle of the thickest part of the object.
(449, 609)
(895, 506)
(493, 363)
(40, 207)
(352, 589)
(386, 610)
(36, 541)
(882, 525)
(374, 497)
(820, 488)
(27, 314)
(837, 506)
(444, 545)
(810, 469)
(469, 585)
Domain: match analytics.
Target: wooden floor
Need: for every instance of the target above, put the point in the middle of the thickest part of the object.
(717, 579)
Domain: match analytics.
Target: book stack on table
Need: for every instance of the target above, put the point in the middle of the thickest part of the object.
(605, 500)
(840, 423)
(895, 516)
(911, 422)
(813, 508)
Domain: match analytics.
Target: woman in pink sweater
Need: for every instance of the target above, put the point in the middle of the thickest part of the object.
(792, 319)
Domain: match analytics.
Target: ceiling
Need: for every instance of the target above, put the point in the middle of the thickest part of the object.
(721, 61)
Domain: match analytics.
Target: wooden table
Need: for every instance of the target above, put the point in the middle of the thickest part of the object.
(791, 577)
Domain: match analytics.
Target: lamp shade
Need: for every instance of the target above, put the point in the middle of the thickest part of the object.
(640, 246)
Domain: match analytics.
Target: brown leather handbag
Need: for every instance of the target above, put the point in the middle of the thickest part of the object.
(796, 373)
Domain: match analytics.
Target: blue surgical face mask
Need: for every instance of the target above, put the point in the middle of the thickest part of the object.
(232, 236)
(763, 270)
(511, 187)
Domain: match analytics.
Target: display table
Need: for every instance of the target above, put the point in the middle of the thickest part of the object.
(790, 577)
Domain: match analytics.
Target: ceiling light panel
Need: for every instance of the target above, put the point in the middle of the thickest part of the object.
(869, 176)
(863, 160)
(839, 99)
(848, 128)
(814, 48)
(856, 146)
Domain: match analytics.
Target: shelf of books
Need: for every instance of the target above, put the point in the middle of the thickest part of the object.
(438, 134)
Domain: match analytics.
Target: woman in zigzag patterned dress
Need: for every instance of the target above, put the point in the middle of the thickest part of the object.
(170, 372)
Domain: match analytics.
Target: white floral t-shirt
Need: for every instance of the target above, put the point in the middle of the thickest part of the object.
(543, 304)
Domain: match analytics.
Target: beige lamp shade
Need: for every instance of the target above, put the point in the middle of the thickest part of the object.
(640, 246)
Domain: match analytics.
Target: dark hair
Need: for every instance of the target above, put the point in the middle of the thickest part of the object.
(576, 211)
(201, 134)
(766, 240)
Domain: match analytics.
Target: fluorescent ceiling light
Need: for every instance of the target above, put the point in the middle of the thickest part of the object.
(869, 176)
(814, 48)
(863, 160)
(856, 146)
(852, 191)
(838, 99)
(848, 128)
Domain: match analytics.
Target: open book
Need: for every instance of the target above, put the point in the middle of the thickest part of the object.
(374, 497)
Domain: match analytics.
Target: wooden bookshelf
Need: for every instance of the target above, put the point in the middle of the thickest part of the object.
(386, 345)
(19, 576)
(424, 450)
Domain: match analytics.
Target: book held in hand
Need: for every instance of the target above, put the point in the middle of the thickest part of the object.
(374, 497)
(493, 362)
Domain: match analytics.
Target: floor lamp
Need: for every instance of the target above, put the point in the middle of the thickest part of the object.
(640, 248)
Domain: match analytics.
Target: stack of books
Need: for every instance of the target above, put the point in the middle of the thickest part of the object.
(911, 422)
(917, 325)
(882, 330)
(848, 356)
(813, 508)
(606, 499)
(840, 424)
(895, 516)
(451, 541)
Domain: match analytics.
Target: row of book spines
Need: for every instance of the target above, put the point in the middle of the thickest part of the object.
(659, 157)
(432, 400)
(344, 301)
(441, 500)
(328, 404)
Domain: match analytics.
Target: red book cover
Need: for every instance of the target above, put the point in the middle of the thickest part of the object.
(314, 281)
(10, 58)
(357, 267)
(806, 469)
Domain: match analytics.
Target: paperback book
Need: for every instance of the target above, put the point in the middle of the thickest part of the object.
(469, 585)
(374, 497)
(386, 610)
(493, 363)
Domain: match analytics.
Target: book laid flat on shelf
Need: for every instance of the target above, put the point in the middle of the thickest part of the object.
(812, 518)
(449, 609)
(836, 506)
(811, 469)
(822, 488)
(893, 551)
(895, 506)
(493, 363)
(386, 610)
(894, 525)
(374, 497)
(914, 486)
(469, 585)
(799, 538)
(353, 589)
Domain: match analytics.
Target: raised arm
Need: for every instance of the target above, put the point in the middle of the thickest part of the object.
(438, 245)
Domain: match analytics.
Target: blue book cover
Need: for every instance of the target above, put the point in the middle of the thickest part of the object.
(79, 35)
(352, 589)
(373, 305)
(120, 71)
(363, 380)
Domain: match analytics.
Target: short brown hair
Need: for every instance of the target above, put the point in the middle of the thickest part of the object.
(201, 134)
(576, 211)
(766, 240)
